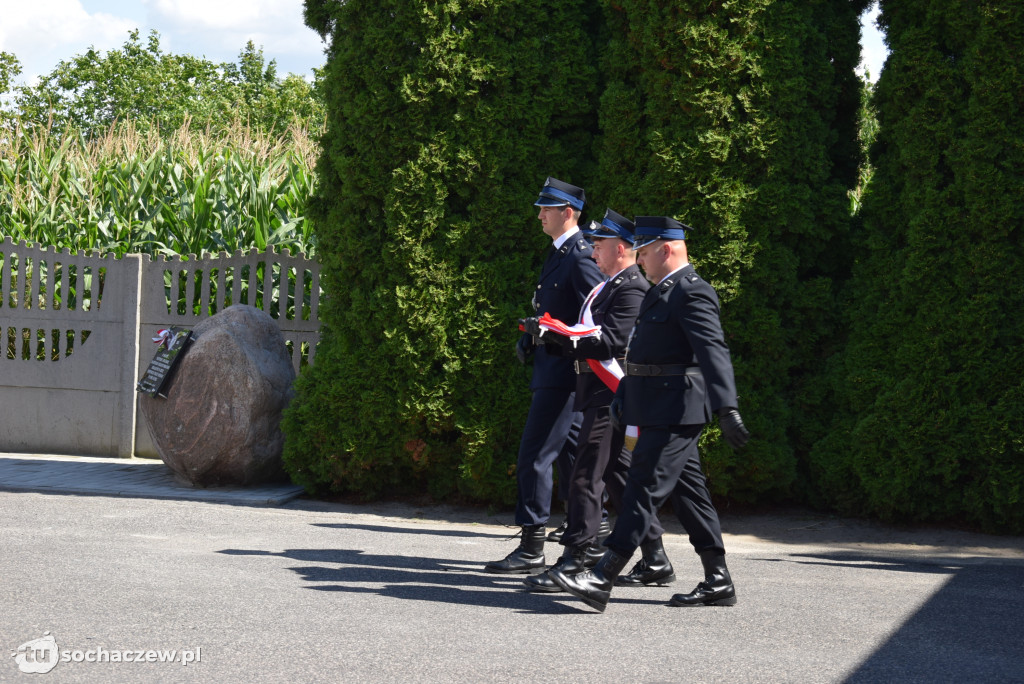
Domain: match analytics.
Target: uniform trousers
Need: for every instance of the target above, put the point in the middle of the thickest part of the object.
(566, 457)
(597, 441)
(596, 472)
(615, 477)
(544, 436)
(666, 464)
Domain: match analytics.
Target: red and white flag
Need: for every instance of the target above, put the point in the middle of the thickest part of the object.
(608, 370)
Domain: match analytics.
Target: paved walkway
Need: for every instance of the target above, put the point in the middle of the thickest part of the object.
(314, 591)
(135, 477)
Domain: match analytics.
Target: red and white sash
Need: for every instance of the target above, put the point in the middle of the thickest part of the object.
(608, 370)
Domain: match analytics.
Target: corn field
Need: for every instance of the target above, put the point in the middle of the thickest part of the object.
(187, 192)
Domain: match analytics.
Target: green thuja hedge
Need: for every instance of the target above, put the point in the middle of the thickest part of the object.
(930, 398)
(878, 356)
(740, 119)
(443, 121)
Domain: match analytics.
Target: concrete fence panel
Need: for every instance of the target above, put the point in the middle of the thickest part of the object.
(69, 329)
(75, 334)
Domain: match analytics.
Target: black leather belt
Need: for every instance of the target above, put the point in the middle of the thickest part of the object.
(642, 369)
(584, 367)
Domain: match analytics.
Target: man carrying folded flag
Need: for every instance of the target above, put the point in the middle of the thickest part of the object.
(597, 343)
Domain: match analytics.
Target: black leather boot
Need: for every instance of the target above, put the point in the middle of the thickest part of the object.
(527, 557)
(573, 560)
(715, 590)
(653, 568)
(594, 586)
(556, 534)
(596, 550)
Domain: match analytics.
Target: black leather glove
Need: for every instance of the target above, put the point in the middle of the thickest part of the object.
(735, 432)
(531, 326)
(524, 347)
(615, 413)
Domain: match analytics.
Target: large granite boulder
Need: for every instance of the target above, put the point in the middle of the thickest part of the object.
(221, 421)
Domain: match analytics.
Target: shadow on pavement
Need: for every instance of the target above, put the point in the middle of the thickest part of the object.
(417, 578)
(968, 631)
(413, 530)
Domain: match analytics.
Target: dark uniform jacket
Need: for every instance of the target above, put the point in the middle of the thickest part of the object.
(614, 309)
(678, 323)
(568, 276)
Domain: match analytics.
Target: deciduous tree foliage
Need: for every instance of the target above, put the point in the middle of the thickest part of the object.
(143, 84)
(10, 67)
(930, 419)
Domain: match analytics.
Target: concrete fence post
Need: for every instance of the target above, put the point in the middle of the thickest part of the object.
(132, 265)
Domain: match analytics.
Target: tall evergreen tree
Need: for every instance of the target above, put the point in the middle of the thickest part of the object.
(443, 120)
(931, 403)
(740, 119)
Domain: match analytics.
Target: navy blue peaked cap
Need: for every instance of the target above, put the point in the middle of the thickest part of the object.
(613, 225)
(647, 229)
(555, 193)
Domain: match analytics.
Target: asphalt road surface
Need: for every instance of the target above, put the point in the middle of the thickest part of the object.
(318, 592)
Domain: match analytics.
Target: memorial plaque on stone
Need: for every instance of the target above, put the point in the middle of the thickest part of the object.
(173, 342)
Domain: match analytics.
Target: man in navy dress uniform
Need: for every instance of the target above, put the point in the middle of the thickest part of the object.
(611, 306)
(567, 277)
(678, 373)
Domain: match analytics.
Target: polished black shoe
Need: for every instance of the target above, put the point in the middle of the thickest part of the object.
(556, 534)
(593, 587)
(653, 568)
(573, 560)
(527, 557)
(716, 589)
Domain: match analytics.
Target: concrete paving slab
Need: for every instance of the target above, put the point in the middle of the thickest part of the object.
(135, 477)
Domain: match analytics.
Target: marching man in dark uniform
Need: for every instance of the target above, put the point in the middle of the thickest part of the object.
(678, 373)
(567, 277)
(610, 307)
